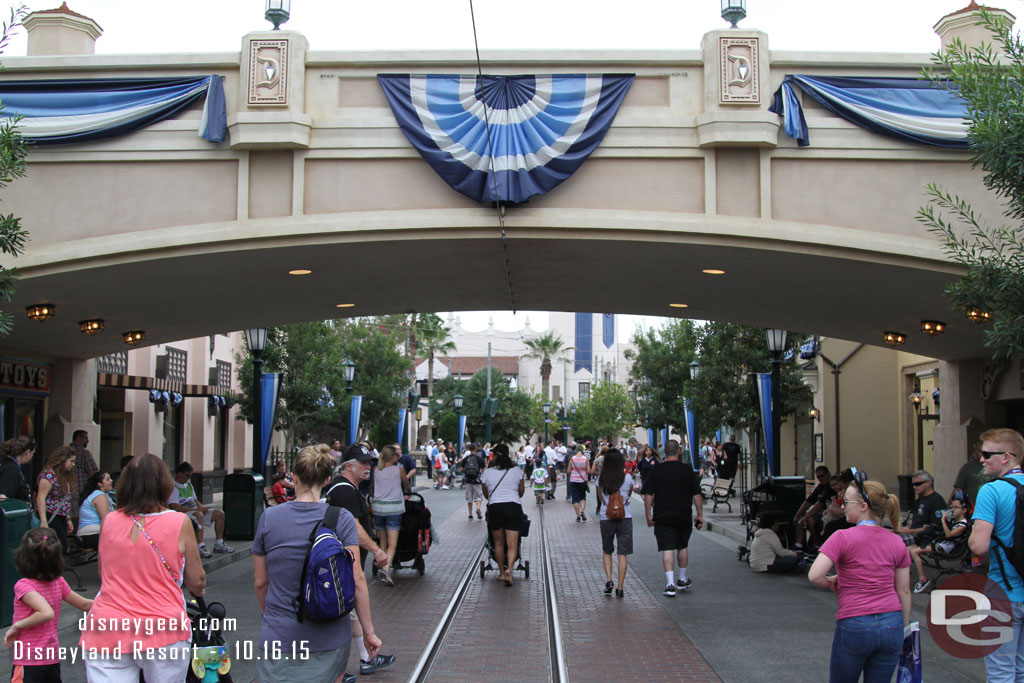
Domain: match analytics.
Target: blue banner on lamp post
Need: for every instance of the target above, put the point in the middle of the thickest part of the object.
(764, 392)
(462, 433)
(269, 392)
(401, 424)
(650, 437)
(355, 409)
(691, 432)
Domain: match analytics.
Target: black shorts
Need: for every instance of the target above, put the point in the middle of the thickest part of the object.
(508, 516)
(673, 535)
(37, 673)
(620, 530)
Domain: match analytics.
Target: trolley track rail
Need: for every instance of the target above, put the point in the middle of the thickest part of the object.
(556, 671)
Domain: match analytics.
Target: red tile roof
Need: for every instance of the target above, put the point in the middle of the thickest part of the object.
(468, 365)
(64, 9)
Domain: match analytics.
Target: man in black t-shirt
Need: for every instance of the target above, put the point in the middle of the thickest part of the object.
(730, 459)
(344, 492)
(669, 489)
(926, 521)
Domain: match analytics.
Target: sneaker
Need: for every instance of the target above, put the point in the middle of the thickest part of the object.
(583, 516)
(922, 586)
(618, 593)
(684, 585)
(349, 678)
(471, 516)
(223, 548)
(204, 552)
(478, 515)
(387, 580)
(608, 587)
(378, 662)
(445, 488)
(670, 591)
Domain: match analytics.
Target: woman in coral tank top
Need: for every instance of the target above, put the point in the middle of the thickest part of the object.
(146, 553)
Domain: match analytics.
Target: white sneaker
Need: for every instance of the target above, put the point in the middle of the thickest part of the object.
(446, 488)
(223, 548)
(204, 552)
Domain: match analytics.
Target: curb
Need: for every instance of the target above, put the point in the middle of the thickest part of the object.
(725, 530)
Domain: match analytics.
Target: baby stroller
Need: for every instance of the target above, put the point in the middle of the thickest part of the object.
(414, 536)
(521, 565)
(210, 660)
(759, 501)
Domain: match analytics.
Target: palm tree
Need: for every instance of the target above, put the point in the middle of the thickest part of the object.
(543, 348)
(434, 338)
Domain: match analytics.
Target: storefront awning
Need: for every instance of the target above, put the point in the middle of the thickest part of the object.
(106, 379)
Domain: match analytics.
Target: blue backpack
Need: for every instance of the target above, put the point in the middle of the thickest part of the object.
(328, 582)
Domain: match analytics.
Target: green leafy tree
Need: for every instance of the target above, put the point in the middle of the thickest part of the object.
(435, 339)
(511, 421)
(607, 413)
(12, 166)
(661, 371)
(545, 348)
(448, 428)
(988, 78)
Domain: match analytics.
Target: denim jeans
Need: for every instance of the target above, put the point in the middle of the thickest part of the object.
(1006, 664)
(870, 644)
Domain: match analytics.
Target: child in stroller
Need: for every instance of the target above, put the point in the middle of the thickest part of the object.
(521, 565)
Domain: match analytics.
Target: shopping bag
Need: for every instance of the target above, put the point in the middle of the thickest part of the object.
(909, 670)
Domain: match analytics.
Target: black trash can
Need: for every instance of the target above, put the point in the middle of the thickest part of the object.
(15, 521)
(243, 505)
(791, 492)
(906, 490)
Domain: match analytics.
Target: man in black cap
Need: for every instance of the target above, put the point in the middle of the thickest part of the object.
(343, 492)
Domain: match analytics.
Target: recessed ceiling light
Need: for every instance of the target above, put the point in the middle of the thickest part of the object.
(300, 271)
(345, 305)
(679, 305)
(713, 271)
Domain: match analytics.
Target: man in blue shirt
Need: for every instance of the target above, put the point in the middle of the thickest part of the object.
(994, 515)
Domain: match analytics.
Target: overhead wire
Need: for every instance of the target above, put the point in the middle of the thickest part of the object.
(500, 208)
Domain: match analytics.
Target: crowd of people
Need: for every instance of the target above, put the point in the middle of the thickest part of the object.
(848, 530)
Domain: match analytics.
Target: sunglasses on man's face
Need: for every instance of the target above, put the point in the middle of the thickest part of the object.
(985, 455)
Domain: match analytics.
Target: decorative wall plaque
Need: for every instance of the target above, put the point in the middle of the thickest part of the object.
(738, 71)
(268, 72)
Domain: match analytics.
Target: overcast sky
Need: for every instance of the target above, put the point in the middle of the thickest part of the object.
(142, 26)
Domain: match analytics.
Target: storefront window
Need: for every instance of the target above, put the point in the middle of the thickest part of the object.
(173, 422)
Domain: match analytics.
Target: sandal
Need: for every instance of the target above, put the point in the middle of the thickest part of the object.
(618, 592)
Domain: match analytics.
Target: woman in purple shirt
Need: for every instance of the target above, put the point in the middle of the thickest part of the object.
(872, 581)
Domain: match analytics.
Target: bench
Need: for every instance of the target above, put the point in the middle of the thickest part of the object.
(718, 493)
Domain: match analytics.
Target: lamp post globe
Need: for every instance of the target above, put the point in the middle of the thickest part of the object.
(546, 407)
(458, 403)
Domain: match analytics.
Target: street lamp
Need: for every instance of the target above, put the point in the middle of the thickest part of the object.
(278, 12)
(458, 404)
(349, 372)
(734, 11)
(547, 409)
(776, 345)
(256, 340)
(413, 401)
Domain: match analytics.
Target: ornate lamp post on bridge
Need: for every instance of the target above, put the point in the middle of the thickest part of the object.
(546, 407)
(256, 340)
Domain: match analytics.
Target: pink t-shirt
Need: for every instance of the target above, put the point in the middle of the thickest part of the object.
(578, 468)
(866, 558)
(42, 639)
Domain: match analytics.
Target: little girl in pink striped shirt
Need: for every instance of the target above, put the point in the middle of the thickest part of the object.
(37, 600)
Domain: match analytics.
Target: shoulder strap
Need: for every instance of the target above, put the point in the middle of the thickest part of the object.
(999, 543)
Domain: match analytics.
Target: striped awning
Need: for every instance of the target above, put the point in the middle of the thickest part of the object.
(106, 379)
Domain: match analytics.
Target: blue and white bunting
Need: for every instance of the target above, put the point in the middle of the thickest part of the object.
(68, 111)
(910, 109)
(505, 138)
(691, 432)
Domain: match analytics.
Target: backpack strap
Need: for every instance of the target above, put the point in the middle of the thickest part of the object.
(999, 543)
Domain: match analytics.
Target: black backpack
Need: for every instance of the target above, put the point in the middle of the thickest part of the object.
(471, 470)
(1015, 552)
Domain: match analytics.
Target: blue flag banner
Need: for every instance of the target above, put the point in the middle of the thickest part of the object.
(718, 435)
(664, 435)
(355, 409)
(462, 433)
(82, 110)
(650, 437)
(691, 432)
(269, 391)
(764, 392)
(505, 138)
(401, 423)
(909, 109)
